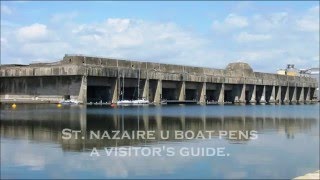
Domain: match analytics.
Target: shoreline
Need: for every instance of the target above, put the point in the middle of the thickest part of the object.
(313, 175)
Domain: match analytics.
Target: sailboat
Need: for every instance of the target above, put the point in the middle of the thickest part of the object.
(132, 102)
(142, 100)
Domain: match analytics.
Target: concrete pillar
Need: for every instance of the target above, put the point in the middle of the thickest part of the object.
(82, 98)
(115, 90)
(242, 98)
(182, 91)
(253, 95)
(294, 95)
(263, 96)
(278, 97)
(221, 94)
(273, 95)
(301, 96)
(158, 94)
(203, 93)
(145, 93)
(286, 96)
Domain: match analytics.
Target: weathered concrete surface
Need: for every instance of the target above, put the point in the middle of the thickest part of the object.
(74, 75)
(315, 175)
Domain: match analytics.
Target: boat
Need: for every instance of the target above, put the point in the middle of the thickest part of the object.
(140, 101)
(135, 101)
(124, 102)
(68, 102)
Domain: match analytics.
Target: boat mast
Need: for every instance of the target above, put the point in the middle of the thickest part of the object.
(139, 84)
(122, 84)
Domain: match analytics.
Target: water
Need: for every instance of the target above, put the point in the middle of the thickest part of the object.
(32, 146)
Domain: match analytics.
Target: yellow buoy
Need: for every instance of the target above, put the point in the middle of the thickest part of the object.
(13, 105)
(59, 105)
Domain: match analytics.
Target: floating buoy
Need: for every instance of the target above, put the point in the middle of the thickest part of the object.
(13, 105)
(59, 105)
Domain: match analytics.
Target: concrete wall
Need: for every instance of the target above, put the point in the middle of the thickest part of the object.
(44, 88)
(73, 74)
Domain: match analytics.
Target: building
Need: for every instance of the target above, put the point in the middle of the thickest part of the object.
(94, 79)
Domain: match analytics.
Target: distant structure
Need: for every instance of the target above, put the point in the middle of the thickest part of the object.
(314, 73)
(98, 79)
(311, 72)
(289, 71)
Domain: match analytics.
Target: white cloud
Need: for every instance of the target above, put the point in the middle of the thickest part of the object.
(230, 22)
(3, 41)
(119, 25)
(267, 41)
(59, 17)
(6, 10)
(130, 38)
(33, 32)
(271, 22)
(310, 21)
(247, 37)
(236, 21)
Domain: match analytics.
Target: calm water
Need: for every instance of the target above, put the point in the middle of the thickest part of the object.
(32, 146)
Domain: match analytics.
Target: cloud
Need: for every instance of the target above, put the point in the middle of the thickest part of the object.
(236, 21)
(230, 22)
(131, 38)
(247, 37)
(310, 21)
(267, 41)
(62, 17)
(271, 22)
(33, 32)
(3, 41)
(6, 10)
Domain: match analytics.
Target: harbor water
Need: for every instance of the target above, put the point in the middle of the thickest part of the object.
(284, 142)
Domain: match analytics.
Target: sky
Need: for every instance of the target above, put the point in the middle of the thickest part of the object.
(267, 35)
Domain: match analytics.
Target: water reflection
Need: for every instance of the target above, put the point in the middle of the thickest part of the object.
(44, 123)
(32, 147)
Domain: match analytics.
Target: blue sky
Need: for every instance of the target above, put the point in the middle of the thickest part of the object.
(267, 35)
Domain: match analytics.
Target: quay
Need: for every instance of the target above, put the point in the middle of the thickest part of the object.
(314, 175)
(105, 80)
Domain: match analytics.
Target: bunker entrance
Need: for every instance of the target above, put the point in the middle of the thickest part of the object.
(66, 97)
(305, 93)
(259, 92)
(210, 95)
(291, 93)
(228, 96)
(169, 94)
(268, 93)
(299, 93)
(248, 95)
(283, 93)
(129, 93)
(98, 94)
(191, 94)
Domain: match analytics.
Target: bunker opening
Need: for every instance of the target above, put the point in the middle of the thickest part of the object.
(191, 94)
(98, 94)
(292, 93)
(210, 95)
(228, 96)
(169, 93)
